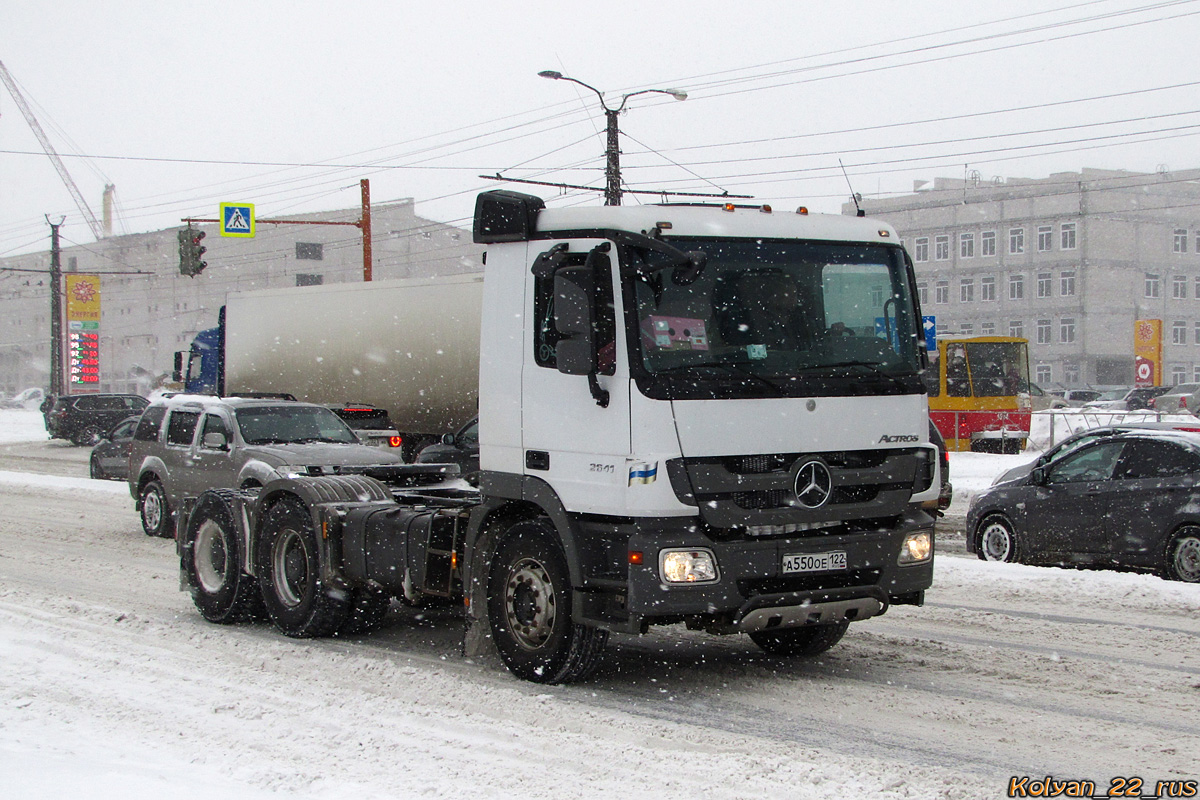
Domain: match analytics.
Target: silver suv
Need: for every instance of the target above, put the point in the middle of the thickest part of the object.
(186, 444)
(1182, 399)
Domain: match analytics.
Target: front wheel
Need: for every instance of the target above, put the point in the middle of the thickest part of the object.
(810, 640)
(1183, 556)
(288, 563)
(529, 609)
(155, 512)
(212, 561)
(95, 471)
(997, 541)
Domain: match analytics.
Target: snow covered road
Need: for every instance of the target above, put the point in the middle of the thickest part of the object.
(111, 685)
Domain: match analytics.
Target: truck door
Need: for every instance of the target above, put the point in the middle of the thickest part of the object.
(570, 439)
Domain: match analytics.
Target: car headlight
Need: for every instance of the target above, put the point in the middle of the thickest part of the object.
(688, 566)
(290, 471)
(917, 547)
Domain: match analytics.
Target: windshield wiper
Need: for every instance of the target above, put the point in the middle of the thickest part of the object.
(730, 367)
(874, 369)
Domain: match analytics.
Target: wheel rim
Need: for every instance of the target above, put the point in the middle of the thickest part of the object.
(289, 561)
(996, 542)
(529, 603)
(152, 509)
(211, 554)
(1187, 559)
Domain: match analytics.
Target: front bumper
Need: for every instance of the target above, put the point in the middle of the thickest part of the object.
(752, 592)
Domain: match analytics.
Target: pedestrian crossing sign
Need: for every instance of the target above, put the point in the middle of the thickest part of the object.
(237, 219)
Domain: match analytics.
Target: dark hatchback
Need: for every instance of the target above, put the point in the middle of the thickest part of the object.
(461, 448)
(84, 418)
(110, 458)
(1128, 500)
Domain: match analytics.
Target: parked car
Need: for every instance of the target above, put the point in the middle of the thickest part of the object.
(1074, 398)
(28, 399)
(372, 424)
(110, 458)
(84, 418)
(1127, 500)
(1141, 398)
(1041, 400)
(186, 444)
(1181, 399)
(461, 448)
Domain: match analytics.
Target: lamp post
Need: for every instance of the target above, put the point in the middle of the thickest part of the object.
(612, 169)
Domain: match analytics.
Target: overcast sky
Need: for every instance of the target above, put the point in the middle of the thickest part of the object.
(288, 104)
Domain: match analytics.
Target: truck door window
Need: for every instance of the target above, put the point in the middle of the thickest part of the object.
(546, 337)
(181, 427)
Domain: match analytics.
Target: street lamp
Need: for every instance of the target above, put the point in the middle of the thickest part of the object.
(612, 170)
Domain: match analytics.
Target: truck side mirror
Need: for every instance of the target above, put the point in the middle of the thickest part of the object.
(574, 317)
(686, 274)
(177, 374)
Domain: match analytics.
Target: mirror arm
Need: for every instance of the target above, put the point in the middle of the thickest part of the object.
(599, 393)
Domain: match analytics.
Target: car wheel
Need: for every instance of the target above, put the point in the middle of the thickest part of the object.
(997, 541)
(1183, 556)
(155, 512)
(88, 436)
(95, 471)
(810, 640)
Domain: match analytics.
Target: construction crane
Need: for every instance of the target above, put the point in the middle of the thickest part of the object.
(80, 203)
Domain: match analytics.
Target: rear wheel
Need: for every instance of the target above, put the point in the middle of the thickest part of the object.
(810, 640)
(88, 436)
(1183, 556)
(288, 563)
(997, 541)
(155, 512)
(529, 609)
(212, 561)
(95, 471)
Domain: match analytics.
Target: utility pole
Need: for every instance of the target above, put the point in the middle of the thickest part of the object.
(612, 168)
(56, 314)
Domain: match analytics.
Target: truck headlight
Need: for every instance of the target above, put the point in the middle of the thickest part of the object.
(917, 547)
(687, 566)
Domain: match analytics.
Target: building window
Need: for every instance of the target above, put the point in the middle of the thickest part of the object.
(1016, 240)
(1016, 287)
(941, 293)
(1196, 334)
(1178, 332)
(1066, 283)
(921, 249)
(1151, 285)
(966, 245)
(966, 290)
(941, 248)
(987, 329)
(309, 279)
(1016, 328)
(1045, 238)
(310, 251)
(1067, 237)
(1178, 375)
(1045, 283)
(1071, 374)
(876, 296)
(966, 329)
(1042, 374)
(1179, 287)
(987, 243)
(923, 293)
(1043, 331)
(1066, 330)
(1180, 244)
(1196, 374)
(987, 288)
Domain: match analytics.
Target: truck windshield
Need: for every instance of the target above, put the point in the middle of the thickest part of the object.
(288, 424)
(777, 317)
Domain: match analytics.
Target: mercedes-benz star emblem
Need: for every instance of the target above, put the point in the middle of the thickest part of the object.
(814, 484)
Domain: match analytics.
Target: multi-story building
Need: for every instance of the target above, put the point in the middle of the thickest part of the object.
(149, 310)
(1068, 262)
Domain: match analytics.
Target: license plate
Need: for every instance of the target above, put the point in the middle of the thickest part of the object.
(815, 562)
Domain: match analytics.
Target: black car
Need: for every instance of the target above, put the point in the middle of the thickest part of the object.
(1126, 500)
(110, 458)
(84, 418)
(460, 448)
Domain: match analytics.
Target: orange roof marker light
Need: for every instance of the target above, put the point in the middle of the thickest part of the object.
(802, 210)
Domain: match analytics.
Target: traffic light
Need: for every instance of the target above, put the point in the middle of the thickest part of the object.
(190, 251)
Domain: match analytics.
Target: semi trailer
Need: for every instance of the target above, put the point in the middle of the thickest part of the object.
(708, 416)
